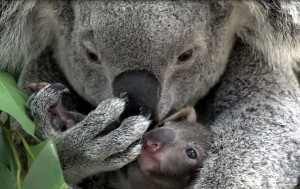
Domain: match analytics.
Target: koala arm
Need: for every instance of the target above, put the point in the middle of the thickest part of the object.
(84, 149)
(256, 125)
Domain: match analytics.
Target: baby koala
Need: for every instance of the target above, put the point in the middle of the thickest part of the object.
(171, 155)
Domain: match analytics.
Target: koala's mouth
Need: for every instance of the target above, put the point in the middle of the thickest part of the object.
(153, 157)
(150, 157)
(148, 161)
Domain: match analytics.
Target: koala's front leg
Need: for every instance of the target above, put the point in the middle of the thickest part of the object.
(87, 148)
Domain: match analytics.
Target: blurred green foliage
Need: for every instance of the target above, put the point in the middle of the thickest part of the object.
(42, 169)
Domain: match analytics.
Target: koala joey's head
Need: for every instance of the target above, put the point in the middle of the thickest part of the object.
(175, 149)
(166, 54)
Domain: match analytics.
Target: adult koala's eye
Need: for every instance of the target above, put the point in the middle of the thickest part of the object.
(92, 56)
(191, 153)
(161, 124)
(91, 51)
(185, 56)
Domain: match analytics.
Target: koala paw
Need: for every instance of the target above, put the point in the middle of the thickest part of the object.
(118, 140)
(92, 147)
(99, 142)
(45, 108)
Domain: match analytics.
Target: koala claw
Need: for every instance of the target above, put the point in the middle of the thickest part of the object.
(36, 86)
(146, 112)
(59, 87)
(123, 95)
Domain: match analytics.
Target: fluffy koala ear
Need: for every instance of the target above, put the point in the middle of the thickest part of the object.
(187, 114)
(27, 28)
(272, 27)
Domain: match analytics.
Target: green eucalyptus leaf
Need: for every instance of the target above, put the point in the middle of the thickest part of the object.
(45, 172)
(30, 160)
(7, 178)
(13, 101)
(7, 151)
(7, 123)
(3, 152)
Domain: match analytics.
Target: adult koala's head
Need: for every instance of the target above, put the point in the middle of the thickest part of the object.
(166, 54)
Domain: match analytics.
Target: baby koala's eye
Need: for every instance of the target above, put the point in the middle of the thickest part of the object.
(191, 153)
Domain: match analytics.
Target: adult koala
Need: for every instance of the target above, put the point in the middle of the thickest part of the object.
(180, 49)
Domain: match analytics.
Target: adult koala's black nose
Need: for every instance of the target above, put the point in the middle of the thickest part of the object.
(142, 90)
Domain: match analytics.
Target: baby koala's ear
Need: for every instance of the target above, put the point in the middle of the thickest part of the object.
(187, 114)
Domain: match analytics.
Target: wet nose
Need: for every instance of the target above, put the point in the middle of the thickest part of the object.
(142, 89)
(152, 145)
(158, 138)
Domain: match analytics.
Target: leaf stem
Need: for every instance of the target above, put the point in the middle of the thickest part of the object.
(24, 143)
(16, 156)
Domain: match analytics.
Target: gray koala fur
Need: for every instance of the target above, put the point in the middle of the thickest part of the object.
(108, 151)
(165, 161)
(254, 110)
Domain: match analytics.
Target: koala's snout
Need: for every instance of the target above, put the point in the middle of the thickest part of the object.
(156, 139)
(152, 145)
(142, 90)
